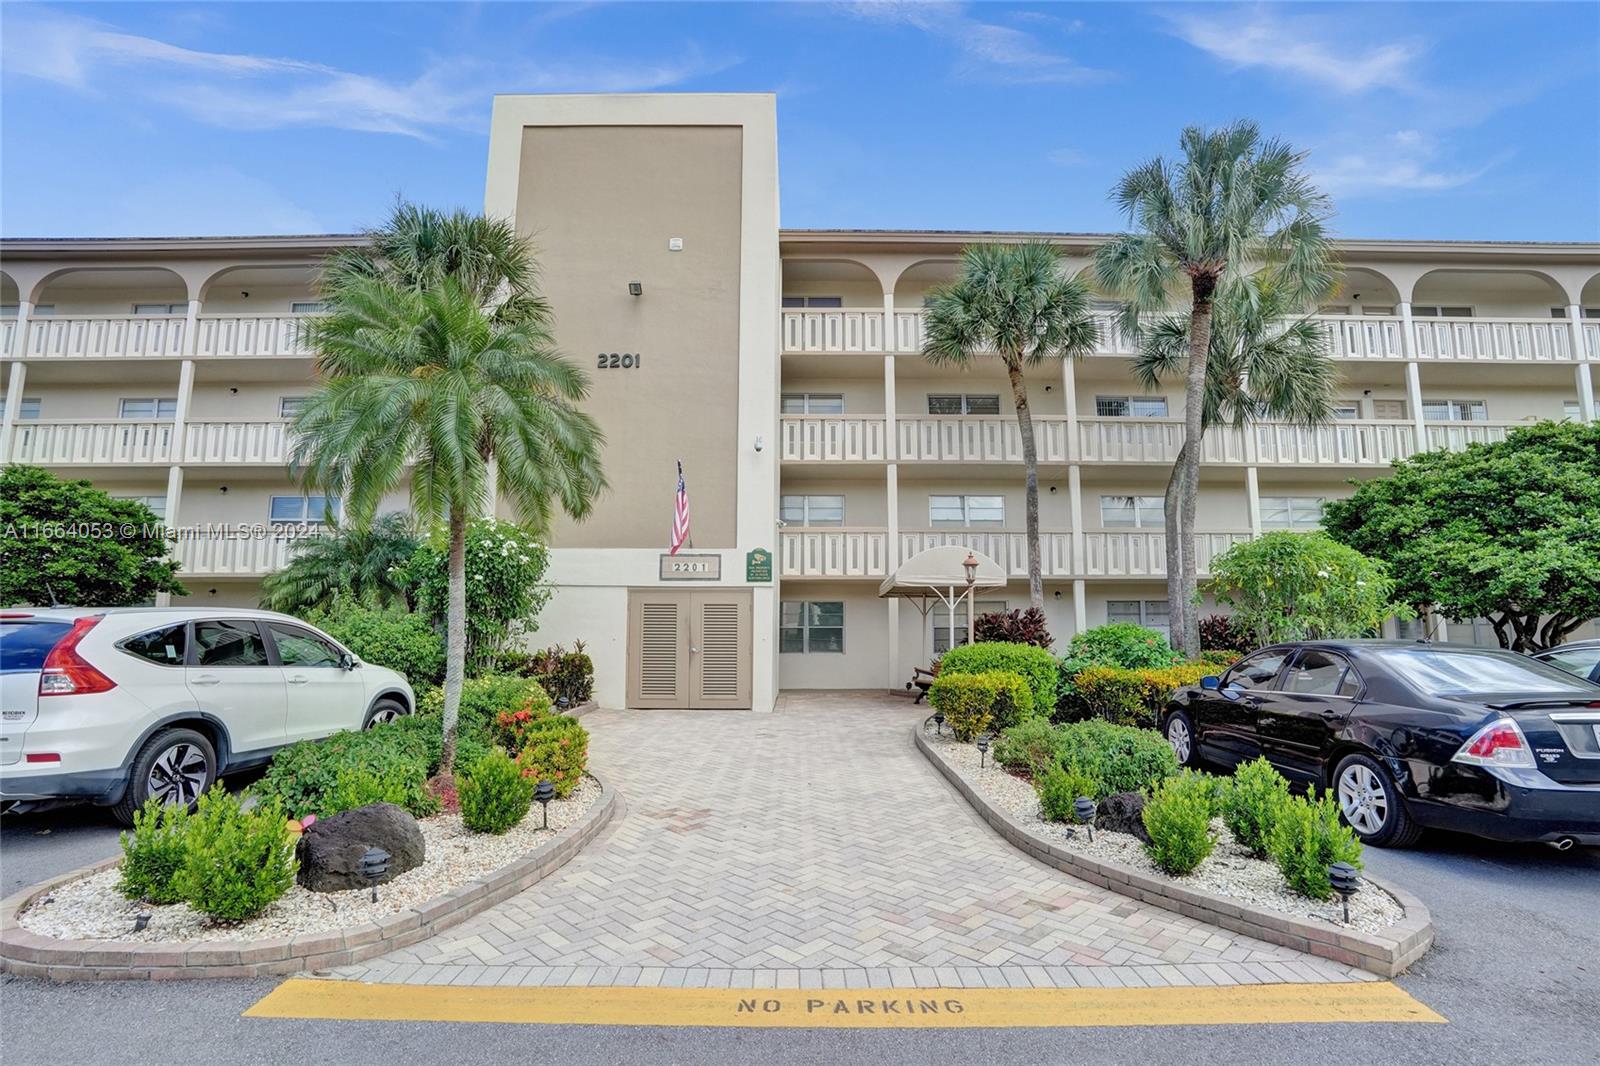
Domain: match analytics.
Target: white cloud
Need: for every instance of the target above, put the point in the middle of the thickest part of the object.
(263, 92)
(986, 51)
(1307, 46)
(1403, 161)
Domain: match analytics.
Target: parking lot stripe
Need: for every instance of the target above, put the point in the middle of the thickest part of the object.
(919, 1008)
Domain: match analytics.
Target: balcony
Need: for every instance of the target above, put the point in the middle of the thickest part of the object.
(860, 330)
(978, 438)
(831, 438)
(235, 443)
(253, 336)
(1143, 553)
(1009, 548)
(245, 551)
(833, 552)
(76, 443)
(66, 337)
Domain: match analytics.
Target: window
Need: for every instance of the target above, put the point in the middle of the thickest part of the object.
(15, 311)
(26, 642)
(941, 623)
(1256, 671)
(1291, 512)
(1142, 512)
(29, 408)
(1130, 406)
(1580, 661)
(1347, 410)
(300, 647)
(1437, 311)
(812, 403)
(165, 646)
(959, 404)
(161, 309)
(289, 406)
(1457, 672)
(146, 407)
(1152, 614)
(1318, 673)
(805, 626)
(308, 307)
(813, 301)
(157, 504)
(812, 510)
(966, 510)
(230, 643)
(1455, 410)
(302, 508)
(1390, 409)
(1588, 312)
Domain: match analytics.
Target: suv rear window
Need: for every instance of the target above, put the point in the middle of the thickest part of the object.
(24, 644)
(165, 646)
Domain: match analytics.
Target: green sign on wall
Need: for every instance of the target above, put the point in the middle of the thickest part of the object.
(758, 565)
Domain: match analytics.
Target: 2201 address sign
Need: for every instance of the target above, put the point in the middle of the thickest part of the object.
(618, 360)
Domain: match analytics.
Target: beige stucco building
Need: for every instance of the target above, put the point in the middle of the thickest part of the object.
(782, 368)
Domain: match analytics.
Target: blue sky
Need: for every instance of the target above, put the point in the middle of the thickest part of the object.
(1428, 120)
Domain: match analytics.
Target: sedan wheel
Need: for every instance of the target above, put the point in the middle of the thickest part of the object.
(1181, 737)
(1363, 799)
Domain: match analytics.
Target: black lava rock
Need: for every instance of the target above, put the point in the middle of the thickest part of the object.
(330, 849)
(1122, 812)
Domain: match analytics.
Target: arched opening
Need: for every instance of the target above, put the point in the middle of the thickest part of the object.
(1362, 291)
(830, 283)
(261, 290)
(1460, 293)
(113, 291)
(918, 280)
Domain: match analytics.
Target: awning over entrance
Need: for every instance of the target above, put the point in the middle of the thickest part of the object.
(940, 574)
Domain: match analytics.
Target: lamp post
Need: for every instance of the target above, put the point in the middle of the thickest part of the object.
(374, 864)
(970, 565)
(1083, 807)
(544, 792)
(938, 722)
(1346, 881)
(983, 749)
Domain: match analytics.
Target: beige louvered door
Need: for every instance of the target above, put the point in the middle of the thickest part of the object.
(720, 650)
(658, 649)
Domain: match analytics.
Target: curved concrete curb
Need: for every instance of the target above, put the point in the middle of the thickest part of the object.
(28, 954)
(1387, 954)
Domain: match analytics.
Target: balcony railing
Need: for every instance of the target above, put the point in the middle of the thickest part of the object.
(71, 443)
(1455, 436)
(1152, 440)
(1344, 443)
(1009, 548)
(1520, 340)
(8, 335)
(835, 552)
(1364, 336)
(236, 442)
(841, 438)
(105, 336)
(1143, 553)
(246, 553)
(978, 438)
(246, 336)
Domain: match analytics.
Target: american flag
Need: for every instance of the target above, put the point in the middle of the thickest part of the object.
(680, 514)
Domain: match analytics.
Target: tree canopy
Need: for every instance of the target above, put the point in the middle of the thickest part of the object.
(1303, 586)
(1507, 531)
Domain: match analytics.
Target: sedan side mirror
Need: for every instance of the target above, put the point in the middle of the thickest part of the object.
(347, 661)
(1211, 683)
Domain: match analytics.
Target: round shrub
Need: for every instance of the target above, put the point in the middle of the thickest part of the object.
(397, 639)
(1029, 745)
(1129, 697)
(1036, 665)
(236, 862)
(482, 700)
(1125, 644)
(1178, 819)
(323, 777)
(1251, 802)
(494, 793)
(965, 700)
(556, 750)
(1059, 789)
(1307, 837)
(153, 852)
(1120, 758)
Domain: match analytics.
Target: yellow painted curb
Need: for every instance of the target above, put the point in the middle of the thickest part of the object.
(890, 1008)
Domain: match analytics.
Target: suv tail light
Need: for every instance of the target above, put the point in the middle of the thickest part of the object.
(65, 672)
(1500, 743)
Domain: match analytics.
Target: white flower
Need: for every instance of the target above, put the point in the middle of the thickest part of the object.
(1322, 573)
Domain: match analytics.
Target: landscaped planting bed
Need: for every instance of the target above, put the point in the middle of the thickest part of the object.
(94, 909)
(1229, 871)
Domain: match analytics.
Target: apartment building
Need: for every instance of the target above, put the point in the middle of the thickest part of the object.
(782, 369)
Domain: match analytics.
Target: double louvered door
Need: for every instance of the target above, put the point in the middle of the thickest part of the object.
(689, 649)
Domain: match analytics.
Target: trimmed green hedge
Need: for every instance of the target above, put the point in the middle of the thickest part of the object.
(1129, 697)
(1120, 758)
(396, 639)
(1036, 666)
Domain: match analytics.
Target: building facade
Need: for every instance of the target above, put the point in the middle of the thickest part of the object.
(782, 369)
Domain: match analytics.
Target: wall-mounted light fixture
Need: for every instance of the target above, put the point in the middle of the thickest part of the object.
(223, 489)
(635, 288)
(761, 442)
(1052, 490)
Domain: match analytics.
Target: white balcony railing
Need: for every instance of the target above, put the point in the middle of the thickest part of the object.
(245, 336)
(1364, 336)
(1591, 337)
(1345, 443)
(1455, 436)
(833, 552)
(1007, 547)
(978, 438)
(236, 442)
(843, 438)
(1521, 340)
(833, 330)
(8, 335)
(69, 443)
(105, 336)
(1152, 440)
(245, 553)
(1143, 553)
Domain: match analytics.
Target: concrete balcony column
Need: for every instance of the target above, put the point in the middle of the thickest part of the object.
(1585, 375)
(1075, 514)
(16, 381)
(1069, 396)
(1252, 490)
(1408, 342)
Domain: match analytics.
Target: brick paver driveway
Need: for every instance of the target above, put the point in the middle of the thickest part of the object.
(815, 847)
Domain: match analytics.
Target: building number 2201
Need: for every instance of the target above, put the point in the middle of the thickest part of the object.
(615, 361)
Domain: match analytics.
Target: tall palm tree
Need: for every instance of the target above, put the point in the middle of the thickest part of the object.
(1015, 301)
(1233, 204)
(421, 375)
(354, 562)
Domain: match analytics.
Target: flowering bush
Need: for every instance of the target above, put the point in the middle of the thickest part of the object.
(556, 750)
(505, 567)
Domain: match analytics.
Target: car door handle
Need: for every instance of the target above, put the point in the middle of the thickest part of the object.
(205, 679)
(1329, 714)
(298, 679)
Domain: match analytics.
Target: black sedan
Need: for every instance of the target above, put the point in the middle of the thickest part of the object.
(1409, 735)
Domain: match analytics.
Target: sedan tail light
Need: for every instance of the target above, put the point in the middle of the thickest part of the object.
(65, 672)
(1500, 743)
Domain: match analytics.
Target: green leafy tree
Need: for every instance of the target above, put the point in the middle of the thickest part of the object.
(354, 564)
(439, 369)
(1014, 300)
(1230, 207)
(505, 586)
(68, 542)
(1304, 586)
(1507, 531)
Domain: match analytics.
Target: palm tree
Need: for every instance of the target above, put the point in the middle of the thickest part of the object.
(428, 371)
(348, 562)
(1232, 205)
(1014, 300)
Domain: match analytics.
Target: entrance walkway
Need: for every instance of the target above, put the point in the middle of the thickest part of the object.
(815, 848)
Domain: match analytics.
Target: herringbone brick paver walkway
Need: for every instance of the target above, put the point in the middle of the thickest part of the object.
(815, 848)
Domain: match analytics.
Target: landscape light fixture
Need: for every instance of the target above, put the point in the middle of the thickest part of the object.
(635, 288)
(563, 703)
(141, 920)
(983, 749)
(544, 792)
(374, 864)
(1346, 881)
(938, 722)
(1083, 807)
(970, 565)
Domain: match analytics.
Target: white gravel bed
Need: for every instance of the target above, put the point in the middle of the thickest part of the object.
(1229, 870)
(93, 909)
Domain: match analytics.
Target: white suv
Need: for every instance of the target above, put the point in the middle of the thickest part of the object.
(114, 705)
